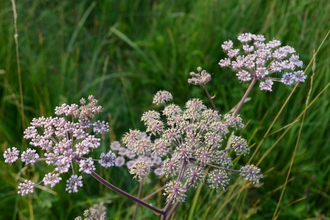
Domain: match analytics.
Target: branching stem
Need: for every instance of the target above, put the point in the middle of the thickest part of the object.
(116, 189)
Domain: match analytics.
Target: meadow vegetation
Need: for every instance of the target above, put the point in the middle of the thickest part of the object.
(123, 52)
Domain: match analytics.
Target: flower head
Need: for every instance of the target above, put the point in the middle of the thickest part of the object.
(11, 155)
(140, 170)
(251, 173)
(100, 127)
(240, 145)
(73, 183)
(64, 142)
(195, 175)
(29, 156)
(52, 179)
(175, 192)
(86, 165)
(161, 97)
(108, 159)
(218, 178)
(259, 60)
(138, 149)
(190, 140)
(26, 187)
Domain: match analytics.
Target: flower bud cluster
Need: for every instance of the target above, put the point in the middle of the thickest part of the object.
(63, 142)
(259, 60)
(200, 78)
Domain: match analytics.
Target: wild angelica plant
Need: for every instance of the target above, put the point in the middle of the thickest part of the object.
(185, 145)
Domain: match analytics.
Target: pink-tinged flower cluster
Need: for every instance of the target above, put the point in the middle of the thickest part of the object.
(162, 97)
(64, 142)
(128, 157)
(186, 142)
(11, 155)
(175, 192)
(251, 173)
(260, 60)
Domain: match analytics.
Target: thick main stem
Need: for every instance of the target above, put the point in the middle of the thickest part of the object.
(114, 188)
(240, 104)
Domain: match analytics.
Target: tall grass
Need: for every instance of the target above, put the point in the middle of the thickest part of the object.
(125, 51)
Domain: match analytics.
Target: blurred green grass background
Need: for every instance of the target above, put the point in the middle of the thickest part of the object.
(123, 52)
